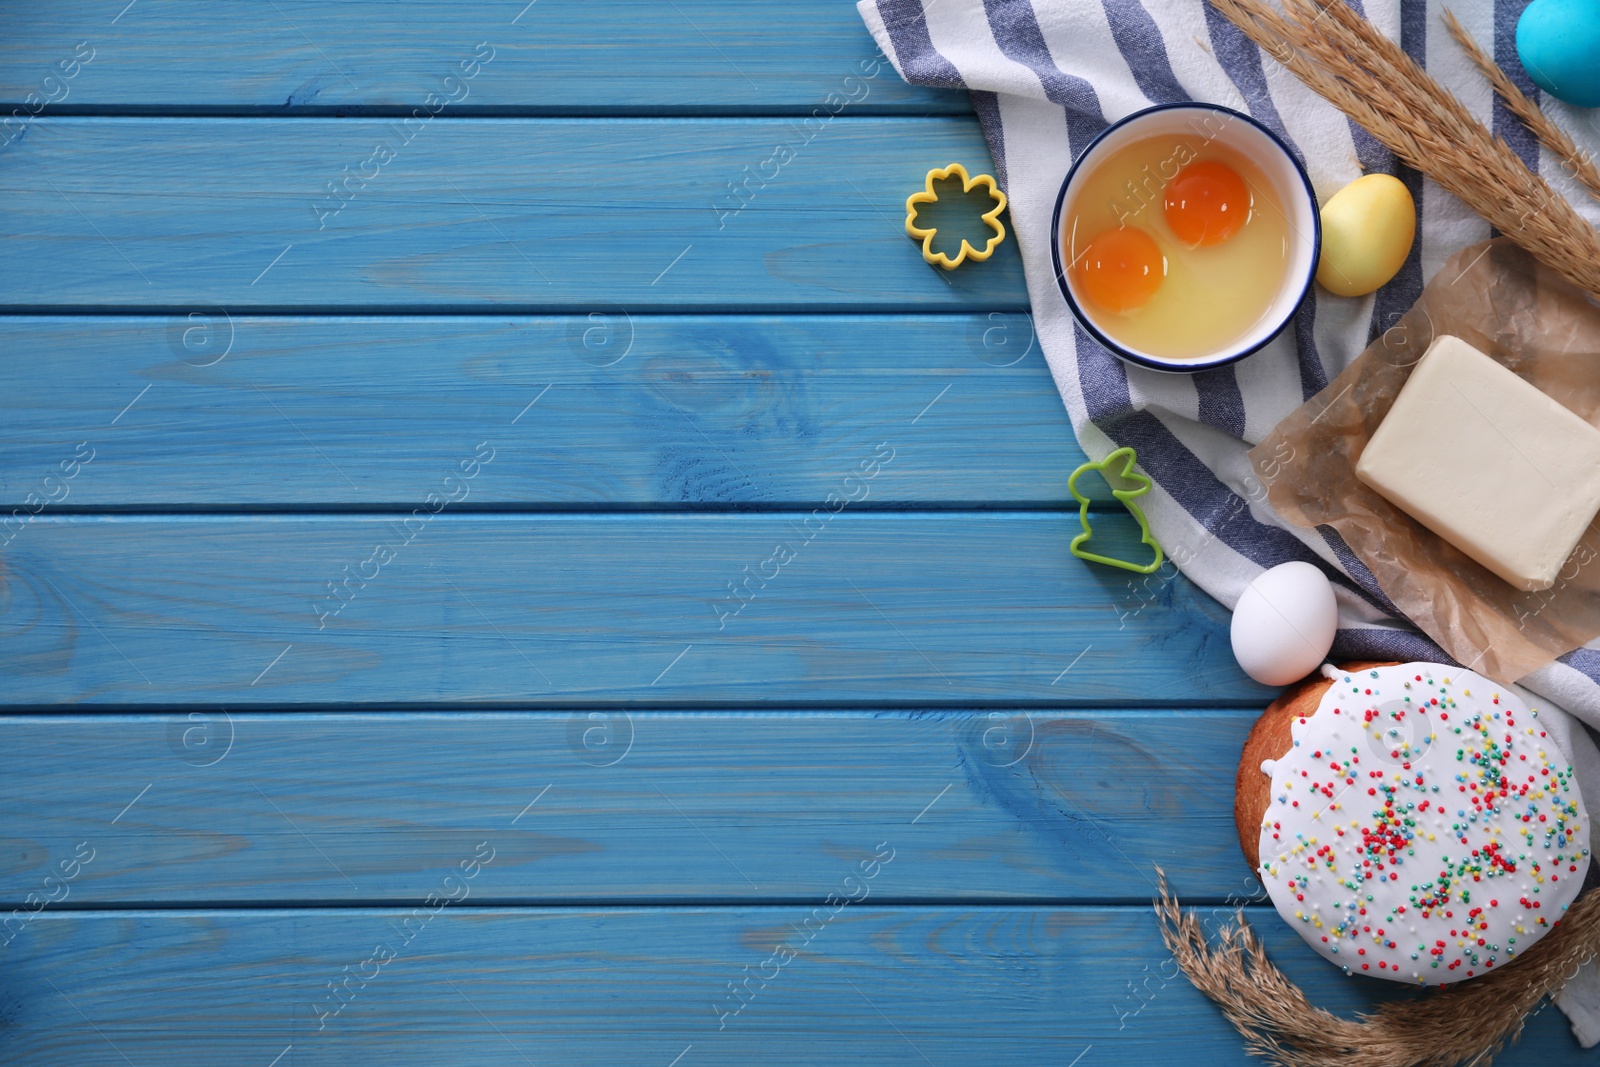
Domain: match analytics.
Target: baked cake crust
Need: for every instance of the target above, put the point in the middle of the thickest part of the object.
(1270, 738)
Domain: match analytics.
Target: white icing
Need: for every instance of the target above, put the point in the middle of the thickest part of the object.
(1385, 845)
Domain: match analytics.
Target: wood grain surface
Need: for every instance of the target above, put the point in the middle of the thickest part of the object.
(402, 406)
(245, 809)
(483, 214)
(508, 986)
(814, 608)
(607, 409)
(360, 56)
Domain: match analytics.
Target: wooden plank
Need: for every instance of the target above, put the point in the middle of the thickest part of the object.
(830, 607)
(631, 410)
(644, 807)
(866, 984)
(186, 214)
(360, 56)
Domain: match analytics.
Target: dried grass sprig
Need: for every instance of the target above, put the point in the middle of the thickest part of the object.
(1344, 59)
(1574, 160)
(1466, 1023)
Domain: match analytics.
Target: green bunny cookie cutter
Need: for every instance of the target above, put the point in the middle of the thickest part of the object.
(1128, 458)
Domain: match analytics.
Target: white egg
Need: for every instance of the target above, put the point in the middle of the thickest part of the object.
(1284, 623)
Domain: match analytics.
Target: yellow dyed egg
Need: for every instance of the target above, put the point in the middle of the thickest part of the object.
(1367, 230)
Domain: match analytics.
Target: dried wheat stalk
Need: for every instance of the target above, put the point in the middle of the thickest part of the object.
(1340, 56)
(1466, 1023)
(1574, 160)
(1344, 59)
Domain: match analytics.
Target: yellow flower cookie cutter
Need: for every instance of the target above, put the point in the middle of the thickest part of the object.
(928, 196)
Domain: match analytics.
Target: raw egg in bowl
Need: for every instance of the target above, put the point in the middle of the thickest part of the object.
(1186, 236)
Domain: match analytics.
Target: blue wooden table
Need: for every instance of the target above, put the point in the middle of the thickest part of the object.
(511, 557)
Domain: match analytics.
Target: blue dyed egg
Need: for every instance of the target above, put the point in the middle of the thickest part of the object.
(1558, 42)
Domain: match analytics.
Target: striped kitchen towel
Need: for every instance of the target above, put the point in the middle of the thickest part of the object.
(1045, 77)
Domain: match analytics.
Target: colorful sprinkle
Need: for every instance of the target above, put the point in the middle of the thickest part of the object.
(1414, 862)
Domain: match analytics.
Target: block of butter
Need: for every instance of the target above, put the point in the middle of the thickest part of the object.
(1488, 462)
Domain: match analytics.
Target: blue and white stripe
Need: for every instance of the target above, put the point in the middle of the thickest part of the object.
(1046, 76)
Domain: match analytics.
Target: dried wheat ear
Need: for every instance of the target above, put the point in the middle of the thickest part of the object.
(1344, 59)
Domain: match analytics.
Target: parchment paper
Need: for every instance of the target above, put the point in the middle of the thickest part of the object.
(1499, 299)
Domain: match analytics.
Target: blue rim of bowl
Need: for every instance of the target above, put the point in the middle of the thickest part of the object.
(1182, 366)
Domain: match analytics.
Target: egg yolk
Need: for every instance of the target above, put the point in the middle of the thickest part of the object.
(1121, 269)
(1207, 203)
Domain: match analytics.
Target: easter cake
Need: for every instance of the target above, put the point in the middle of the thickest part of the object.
(1412, 821)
